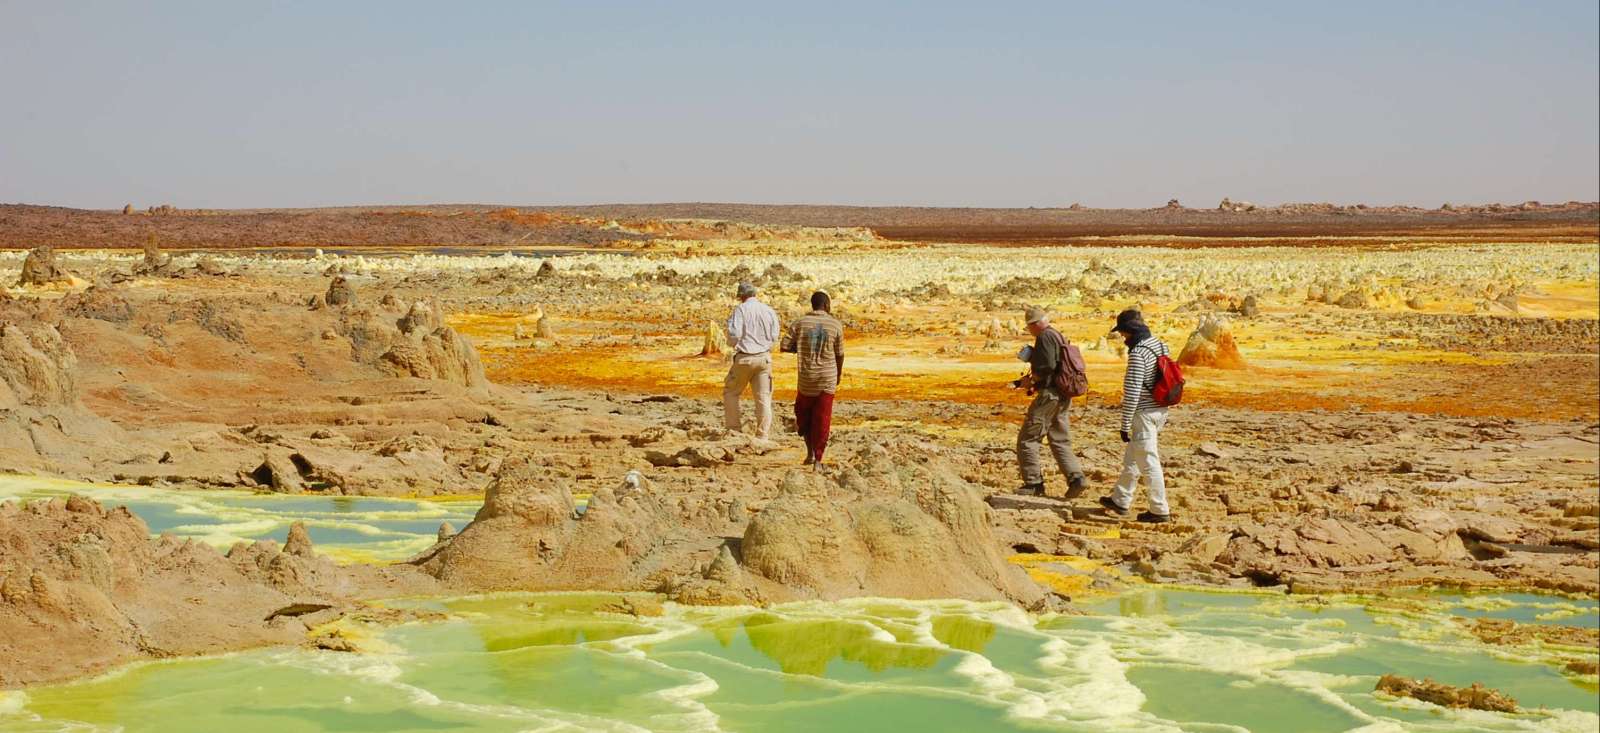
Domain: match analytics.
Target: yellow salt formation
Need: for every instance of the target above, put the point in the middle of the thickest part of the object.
(1212, 345)
(716, 341)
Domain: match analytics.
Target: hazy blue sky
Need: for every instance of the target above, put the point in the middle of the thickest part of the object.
(235, 104)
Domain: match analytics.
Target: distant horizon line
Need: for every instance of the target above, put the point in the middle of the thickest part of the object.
(601, 205)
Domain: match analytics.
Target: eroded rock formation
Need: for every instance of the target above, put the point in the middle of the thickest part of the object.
(901, 524)
(1211, 345)
(1474, 696)
(40, 268)
(88, 584)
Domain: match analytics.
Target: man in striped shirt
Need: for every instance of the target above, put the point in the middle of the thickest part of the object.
(1142, 420)
(817, 339)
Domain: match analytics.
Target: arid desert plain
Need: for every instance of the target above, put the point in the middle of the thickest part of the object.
(463, 467)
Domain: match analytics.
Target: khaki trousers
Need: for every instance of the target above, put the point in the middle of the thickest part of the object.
(756, 371)
(1046, 418)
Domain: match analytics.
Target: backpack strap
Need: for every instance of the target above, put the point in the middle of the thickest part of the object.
(1155, 371)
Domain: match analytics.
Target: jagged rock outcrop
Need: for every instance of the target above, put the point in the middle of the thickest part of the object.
(155, 262)
(40, 268)
(1211, 345)
(1474, 696)
(417, 345)
(901, 525)
(1354, 299)
(340, 292)
(36, 366)
(83, 588)
(1286, 549)
(528, 535)
(42, 423)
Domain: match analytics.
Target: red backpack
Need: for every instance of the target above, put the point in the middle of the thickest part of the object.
(1072, 378)
(1168, 387)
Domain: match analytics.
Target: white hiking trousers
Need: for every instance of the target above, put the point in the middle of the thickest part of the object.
(1141, 456)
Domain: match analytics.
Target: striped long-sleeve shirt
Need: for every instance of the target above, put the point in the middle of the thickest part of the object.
(1140, 378)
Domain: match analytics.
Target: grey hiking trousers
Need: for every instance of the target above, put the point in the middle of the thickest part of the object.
(1046, 418)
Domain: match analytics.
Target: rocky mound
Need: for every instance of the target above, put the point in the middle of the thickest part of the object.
(1211, 345)
(899, 524)
(36, 366)
(83, 588)
(155, 262)
(41, 418)
(189, 380)
(40, 268)
(529, 535)
(415, 345)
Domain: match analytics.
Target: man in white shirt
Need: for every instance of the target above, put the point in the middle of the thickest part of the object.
(752, 332)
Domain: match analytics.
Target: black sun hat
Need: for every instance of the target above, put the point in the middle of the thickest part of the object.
(1129, 319)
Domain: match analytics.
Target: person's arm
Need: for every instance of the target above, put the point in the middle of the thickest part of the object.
(1140, 362)
(773, 329)
(788, 345)
(838, 357)
(735, 326)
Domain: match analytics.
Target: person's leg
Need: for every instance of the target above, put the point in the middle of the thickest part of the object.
(804, 409)
(1131, 458)
(1034, 425)
(732, 386)
(1060, 437)
(761, 382)
(1146, 429)
(821, 425)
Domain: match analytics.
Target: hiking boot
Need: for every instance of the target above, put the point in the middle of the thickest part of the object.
(1033, 489)
(1153, 518)
(1112, 508)
(1076, 485)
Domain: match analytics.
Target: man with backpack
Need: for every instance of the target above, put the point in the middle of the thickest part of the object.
(1057, 376)
(1153, 382)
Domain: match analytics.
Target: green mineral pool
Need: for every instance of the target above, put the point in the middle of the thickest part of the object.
(346, 528)
(1149, 660)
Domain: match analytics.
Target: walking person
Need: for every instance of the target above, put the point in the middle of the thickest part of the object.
(1142, 420)
(1047, 416)
(817, 340)
(752, 332)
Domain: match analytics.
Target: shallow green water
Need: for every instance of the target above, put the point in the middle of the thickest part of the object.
(344, 527)
(1149, 660)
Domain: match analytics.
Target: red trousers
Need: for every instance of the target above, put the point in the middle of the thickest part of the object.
(813, 418)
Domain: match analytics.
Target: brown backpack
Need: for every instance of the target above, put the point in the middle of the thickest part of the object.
(1072, 376)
